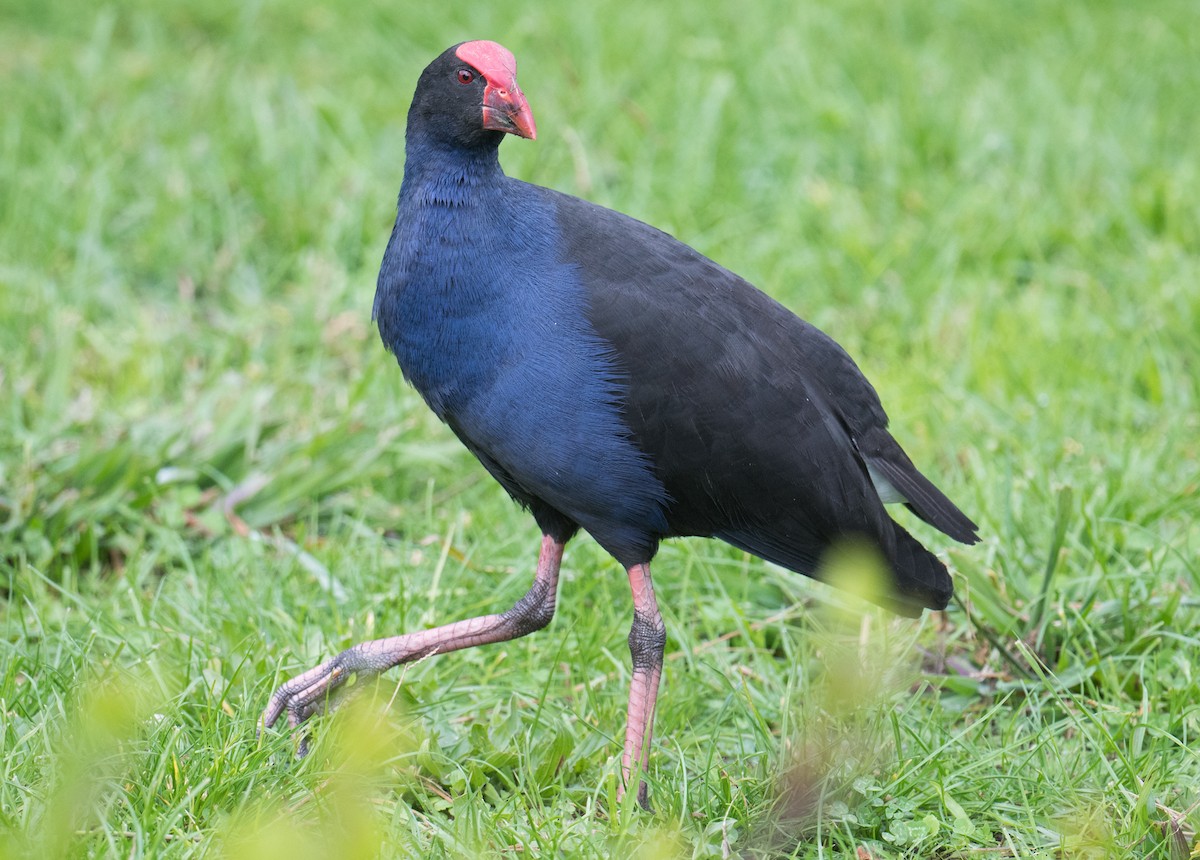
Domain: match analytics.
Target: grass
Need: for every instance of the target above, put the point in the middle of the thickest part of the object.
(212, 476)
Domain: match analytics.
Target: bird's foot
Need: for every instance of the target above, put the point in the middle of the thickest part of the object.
(316, 691)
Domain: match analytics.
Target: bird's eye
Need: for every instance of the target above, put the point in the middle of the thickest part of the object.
(465, 76)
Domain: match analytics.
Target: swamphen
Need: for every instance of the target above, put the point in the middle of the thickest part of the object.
(613, 379)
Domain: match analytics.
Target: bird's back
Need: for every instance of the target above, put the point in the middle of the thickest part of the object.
(751, 415)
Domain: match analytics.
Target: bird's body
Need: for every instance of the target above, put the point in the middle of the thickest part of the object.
(613, 379)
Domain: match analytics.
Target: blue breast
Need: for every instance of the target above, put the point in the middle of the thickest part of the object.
(490, 326)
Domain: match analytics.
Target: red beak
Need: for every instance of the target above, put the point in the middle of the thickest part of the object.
(504, 105)
(505, 109)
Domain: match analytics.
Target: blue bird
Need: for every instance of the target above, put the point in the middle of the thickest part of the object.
(614, 380)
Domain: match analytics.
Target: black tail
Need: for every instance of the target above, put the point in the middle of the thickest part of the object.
(919, 580)
(922, 582)
(923, 498)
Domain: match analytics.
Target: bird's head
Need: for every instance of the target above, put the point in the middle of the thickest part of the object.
(469, 96)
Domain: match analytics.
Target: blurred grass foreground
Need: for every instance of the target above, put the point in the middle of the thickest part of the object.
(212, 476)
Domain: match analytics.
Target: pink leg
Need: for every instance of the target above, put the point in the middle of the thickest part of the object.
(647, 640)
(311, 692)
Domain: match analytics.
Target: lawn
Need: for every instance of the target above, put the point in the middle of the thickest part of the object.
(212, 475)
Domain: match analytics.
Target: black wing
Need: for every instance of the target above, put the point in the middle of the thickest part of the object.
(760, 426)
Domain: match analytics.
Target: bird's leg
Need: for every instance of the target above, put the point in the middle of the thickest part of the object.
(311, 692)
(647, 639)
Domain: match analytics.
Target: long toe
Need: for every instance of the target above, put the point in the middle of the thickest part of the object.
(305, 694)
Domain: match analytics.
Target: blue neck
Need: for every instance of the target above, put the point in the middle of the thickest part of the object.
(445, 175)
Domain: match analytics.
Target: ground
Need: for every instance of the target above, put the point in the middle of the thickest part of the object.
(212, 476)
